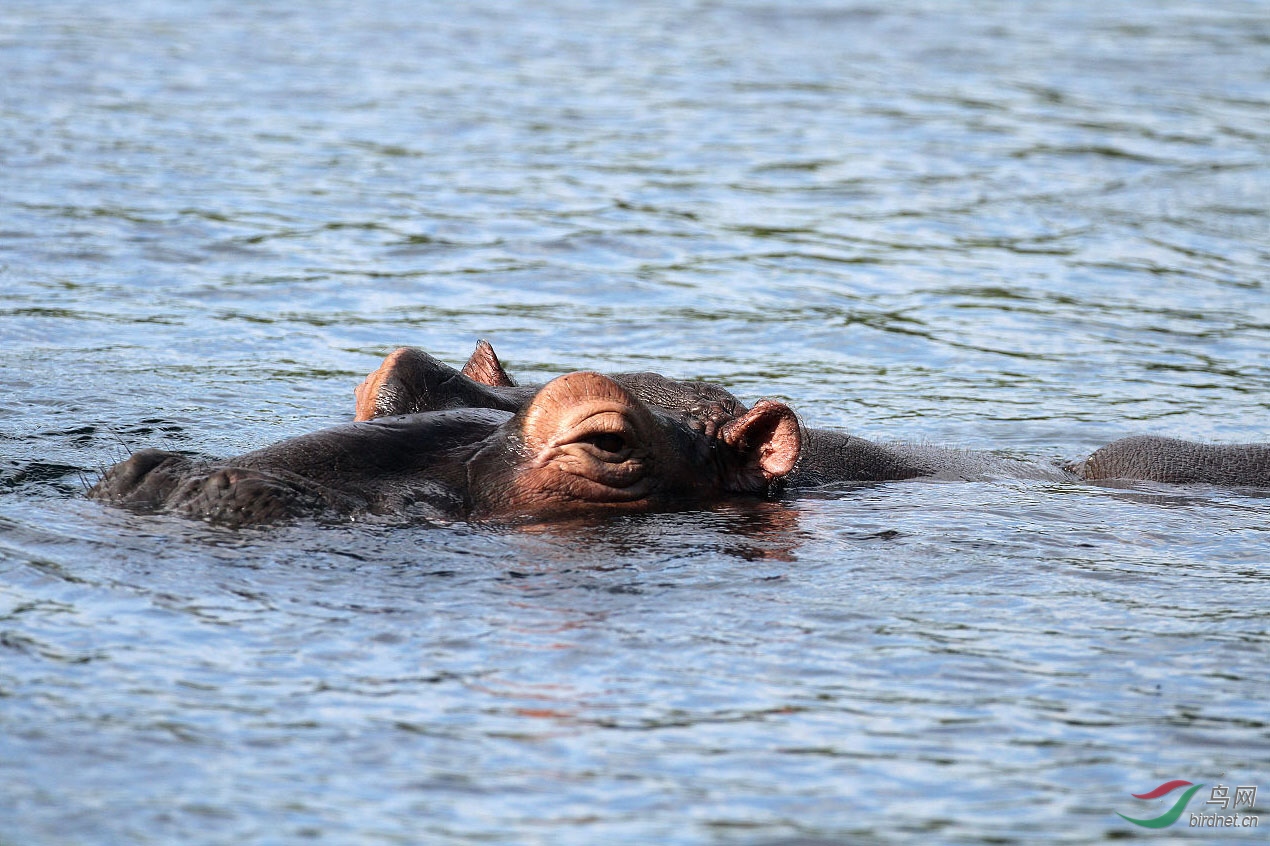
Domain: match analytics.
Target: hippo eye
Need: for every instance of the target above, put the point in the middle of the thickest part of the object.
(606, 442)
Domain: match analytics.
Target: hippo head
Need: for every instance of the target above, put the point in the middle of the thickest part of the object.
(584, 440)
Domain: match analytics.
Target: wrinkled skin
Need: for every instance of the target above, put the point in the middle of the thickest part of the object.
(828, 456)
(582, 442)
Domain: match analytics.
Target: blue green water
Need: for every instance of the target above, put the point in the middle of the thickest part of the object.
(1030, 227)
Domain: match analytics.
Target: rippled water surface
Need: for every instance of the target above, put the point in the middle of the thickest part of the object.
(1030, 227)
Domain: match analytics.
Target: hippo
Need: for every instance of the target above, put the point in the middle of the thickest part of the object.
(432, 442)
(411, 379)
(580, 443)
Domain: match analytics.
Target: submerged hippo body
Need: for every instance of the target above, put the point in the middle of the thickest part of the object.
(829, 457)
(580, 442)
(826, 456)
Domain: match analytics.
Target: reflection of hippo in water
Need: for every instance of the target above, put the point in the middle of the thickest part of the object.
(410, 379)
(432, 441)
(581, 441)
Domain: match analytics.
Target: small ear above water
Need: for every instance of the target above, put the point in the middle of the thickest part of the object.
(768, 437)
(483, 366)
(381, 392)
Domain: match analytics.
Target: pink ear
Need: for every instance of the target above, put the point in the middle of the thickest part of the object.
(483, 366)
(768, 435)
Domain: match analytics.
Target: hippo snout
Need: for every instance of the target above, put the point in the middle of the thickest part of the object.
(153, 479)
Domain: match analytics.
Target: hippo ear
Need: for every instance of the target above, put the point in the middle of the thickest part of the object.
(768, 439)
(483, 366)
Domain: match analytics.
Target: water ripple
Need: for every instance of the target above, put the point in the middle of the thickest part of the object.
(1026, 229)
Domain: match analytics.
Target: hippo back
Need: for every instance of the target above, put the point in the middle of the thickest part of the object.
(1156, 459)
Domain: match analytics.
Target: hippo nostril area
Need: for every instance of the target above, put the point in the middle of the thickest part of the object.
(144, 478)
(131, 473)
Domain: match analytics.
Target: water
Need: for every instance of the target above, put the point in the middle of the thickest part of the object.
(1026, 227)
